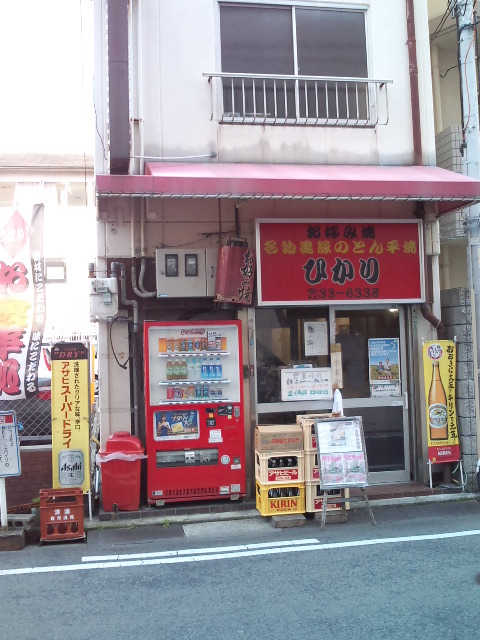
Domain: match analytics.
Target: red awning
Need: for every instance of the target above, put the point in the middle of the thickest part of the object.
(296, 182)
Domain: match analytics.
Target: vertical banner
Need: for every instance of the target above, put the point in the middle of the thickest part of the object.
(439, 369)
(22, 301)
(70, 416)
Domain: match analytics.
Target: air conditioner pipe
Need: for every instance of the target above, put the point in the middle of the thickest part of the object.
(140, 294)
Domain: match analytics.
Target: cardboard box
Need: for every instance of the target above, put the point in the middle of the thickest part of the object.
(278, 437)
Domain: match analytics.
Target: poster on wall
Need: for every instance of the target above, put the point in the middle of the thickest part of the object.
(310, 262)
(342, 458)
(384, 367)
(439, 369)
(22, 300)
(316, 338)
(70, 416)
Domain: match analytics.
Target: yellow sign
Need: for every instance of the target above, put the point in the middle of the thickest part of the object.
(439, 368)
(70, 416)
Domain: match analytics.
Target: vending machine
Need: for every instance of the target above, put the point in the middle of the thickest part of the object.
(194, 411)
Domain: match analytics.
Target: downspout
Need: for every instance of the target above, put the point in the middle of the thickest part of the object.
(118, 87)
(417, 147)
(425, 309)
(413, 69)
(115, 267)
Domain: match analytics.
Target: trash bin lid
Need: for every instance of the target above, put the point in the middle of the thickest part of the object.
(123, 441)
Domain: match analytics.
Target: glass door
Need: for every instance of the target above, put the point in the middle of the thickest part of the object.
(371, 342)
(366, 350)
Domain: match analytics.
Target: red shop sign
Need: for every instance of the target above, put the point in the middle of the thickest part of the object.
(315, 261)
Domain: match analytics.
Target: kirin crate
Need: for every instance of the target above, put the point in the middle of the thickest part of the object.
(307, 422)
(314, 498)
(280, 499)
(281, 466)
(61, 514)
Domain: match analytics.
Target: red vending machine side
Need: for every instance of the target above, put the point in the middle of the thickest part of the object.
(194, 411)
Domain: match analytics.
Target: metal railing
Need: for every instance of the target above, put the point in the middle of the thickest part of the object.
(245, 98)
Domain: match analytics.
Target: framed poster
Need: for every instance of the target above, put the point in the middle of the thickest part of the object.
(306, 384)
(342, 459)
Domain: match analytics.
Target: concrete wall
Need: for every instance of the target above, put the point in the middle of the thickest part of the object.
(457, 317)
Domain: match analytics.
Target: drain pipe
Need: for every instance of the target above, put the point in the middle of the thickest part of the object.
(123, 292)
(115, 267)
(425, 309)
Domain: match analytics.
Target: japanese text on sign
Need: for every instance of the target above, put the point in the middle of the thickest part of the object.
(311, 261)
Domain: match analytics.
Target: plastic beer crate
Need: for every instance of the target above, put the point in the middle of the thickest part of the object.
(312, 473)
(61, 514)
(307, 422)
(314, 498)
(277, 500)
(280, 466)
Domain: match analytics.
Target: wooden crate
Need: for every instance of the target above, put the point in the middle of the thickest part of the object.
(280, 499)
(279, 467)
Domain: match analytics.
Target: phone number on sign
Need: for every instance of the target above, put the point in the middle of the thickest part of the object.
(331, 294)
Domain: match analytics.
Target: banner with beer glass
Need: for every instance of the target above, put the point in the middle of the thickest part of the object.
(439, 370)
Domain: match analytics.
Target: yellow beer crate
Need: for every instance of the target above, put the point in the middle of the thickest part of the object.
(280, 466)
(314, 498)
(280, 499)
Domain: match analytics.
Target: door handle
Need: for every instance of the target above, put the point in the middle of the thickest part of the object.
(405, 400)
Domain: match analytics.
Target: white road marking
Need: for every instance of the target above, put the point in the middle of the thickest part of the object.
(158, 554)
(175, 557)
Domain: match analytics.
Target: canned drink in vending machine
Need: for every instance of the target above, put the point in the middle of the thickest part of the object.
(170, 393)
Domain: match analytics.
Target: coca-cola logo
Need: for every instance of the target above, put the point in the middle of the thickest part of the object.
(192, 332)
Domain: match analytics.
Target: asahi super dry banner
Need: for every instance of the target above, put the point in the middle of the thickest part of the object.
(22, 300)
(439, 368)
(324, 261)
(70, 416)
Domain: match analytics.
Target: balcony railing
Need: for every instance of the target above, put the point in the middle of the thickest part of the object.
(239, 98)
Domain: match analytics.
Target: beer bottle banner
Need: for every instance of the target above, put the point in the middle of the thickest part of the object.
(439, 370)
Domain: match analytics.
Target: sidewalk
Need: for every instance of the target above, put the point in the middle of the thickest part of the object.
(218, 510)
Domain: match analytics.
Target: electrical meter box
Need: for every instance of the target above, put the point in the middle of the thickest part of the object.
(103, 298)
(186, 273)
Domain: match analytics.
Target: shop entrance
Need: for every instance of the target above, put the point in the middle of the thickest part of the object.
(366, 347)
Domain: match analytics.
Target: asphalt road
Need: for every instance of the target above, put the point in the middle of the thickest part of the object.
(411, 576)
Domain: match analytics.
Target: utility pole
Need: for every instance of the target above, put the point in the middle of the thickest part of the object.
(471, 148)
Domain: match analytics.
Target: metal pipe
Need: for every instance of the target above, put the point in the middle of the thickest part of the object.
(414, 94)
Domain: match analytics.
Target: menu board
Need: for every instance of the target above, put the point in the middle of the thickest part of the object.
(342, 459)
(9, 449)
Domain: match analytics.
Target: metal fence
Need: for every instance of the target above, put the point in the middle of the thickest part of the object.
(303, 100)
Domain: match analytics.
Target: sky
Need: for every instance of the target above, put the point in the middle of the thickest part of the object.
(46, 54)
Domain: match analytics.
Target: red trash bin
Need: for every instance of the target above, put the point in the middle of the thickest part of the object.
(120, 463)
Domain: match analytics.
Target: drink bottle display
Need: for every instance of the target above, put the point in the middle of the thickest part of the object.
(183, 370)
(191, 369)
(437, 406)
(218, 368)
(176, 370)
(170, 374)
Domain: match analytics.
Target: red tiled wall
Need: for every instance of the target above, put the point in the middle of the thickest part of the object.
(36, 474)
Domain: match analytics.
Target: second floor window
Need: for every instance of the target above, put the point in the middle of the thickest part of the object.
(311, 44)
